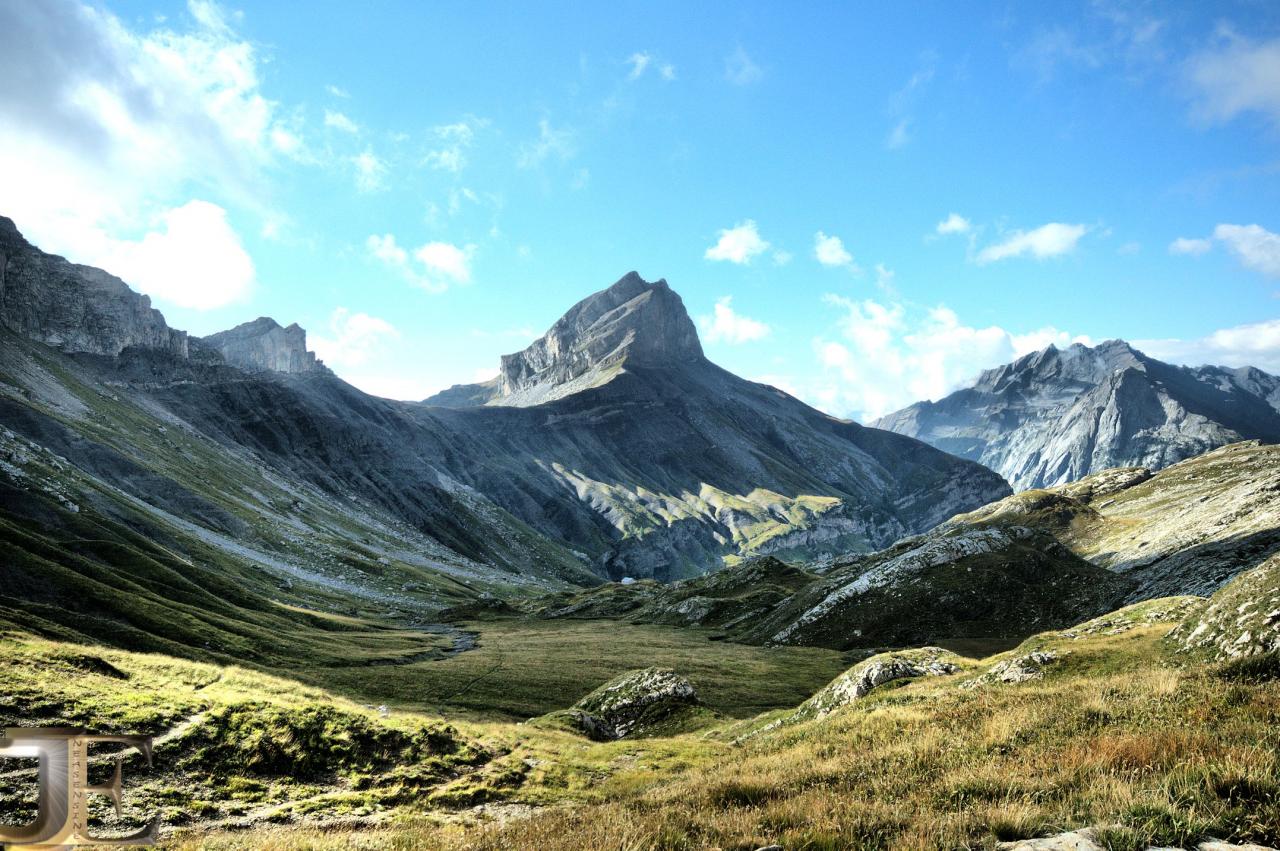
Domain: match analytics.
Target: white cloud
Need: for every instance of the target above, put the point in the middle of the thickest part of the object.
(353, 338)
(453, 140)
(781, 257)
(954, 223)
(740, 70)
(113, 128)
(385, 249)
(194, 260)
(339, 121)
(888, 356)
(551, 142)
(1255, 344)
(446, 262)
(667, 71)
(727, 326)
(739, 244)
(1051, 240)
(1237, 75)
(337, 91)
(370, 171)
(639, 62)
(438, 264)
(1183, 245)
(830, 251)
(1254, 246)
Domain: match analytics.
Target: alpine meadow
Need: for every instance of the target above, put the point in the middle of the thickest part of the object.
(640, 427)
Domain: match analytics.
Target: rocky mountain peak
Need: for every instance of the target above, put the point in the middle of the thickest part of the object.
(1056, 415)
(264, 345)
(75, 308)
(640, 322)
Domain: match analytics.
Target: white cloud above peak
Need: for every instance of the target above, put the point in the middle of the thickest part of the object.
(1051, 240)
(739, 244)
(194, 259)
(725, 325)
(1253, 245)
(888, 355)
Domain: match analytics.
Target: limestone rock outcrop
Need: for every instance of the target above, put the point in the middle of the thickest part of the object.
(264, 344)
(75, 308)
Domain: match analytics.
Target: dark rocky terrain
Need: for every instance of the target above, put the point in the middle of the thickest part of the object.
(1058, 415)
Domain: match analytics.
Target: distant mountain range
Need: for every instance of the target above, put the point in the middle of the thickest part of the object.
(1058, 415)
(609, 447)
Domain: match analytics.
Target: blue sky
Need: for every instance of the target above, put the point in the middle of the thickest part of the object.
(861, 205)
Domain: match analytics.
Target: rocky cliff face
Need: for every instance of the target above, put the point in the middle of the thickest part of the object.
(1058, 415)
(263, 344)
(75, 308)
(633, 322)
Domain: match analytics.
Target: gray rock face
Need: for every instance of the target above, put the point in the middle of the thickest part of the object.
(1058, 415)
(263, 344)
(76, 308)
(633, 322)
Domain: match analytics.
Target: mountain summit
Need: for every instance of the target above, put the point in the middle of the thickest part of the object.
(633, 322)
(1057, 415)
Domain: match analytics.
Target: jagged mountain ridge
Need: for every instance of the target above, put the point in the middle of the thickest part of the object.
(1058, 415)
(663, 467)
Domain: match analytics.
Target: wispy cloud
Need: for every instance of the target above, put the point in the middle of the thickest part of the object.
(1051, 240)
(552, 143)
(339, 121)
(740, 69)
(1236, 75)
(370, 171)
(451, 142)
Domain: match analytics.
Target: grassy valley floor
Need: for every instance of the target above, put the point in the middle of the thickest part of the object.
(1120, 733)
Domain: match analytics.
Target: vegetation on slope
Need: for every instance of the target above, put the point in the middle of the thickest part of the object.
(1119, 733)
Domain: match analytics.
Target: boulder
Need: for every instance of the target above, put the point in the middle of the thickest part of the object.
(634, 703)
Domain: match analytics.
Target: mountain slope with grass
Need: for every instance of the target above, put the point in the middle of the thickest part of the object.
(615, 447)
(1058, 415)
